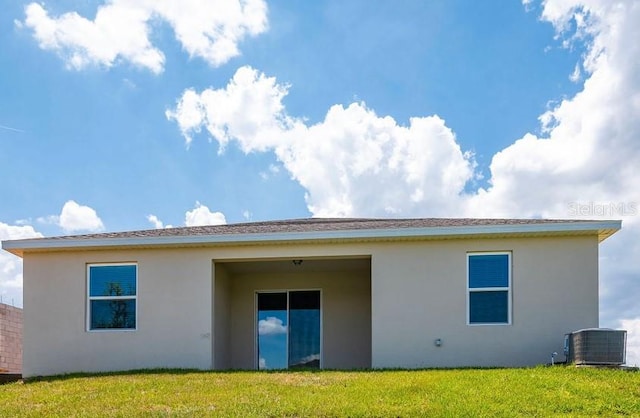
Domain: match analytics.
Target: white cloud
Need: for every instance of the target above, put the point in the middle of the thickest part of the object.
(212, 30)
(157, 223)
(9, 128)
(353, 162)
(76, 218)
(10, 265)
(17, 232)
(201, 215)
(49, 219)
(633, 340)
(249, 110)
(121, 29)
(576, 75)
(309, 358)
(273, 170)
(271, 326)
(262, 363)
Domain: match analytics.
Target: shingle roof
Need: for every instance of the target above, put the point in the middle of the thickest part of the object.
(318, 229)
(317, 224)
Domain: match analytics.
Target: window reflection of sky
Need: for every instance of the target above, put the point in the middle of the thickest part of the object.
(304, 338)
(103, 278)
(113, 314)
(272, 339)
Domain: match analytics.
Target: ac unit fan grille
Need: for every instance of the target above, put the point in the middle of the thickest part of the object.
(598, 346)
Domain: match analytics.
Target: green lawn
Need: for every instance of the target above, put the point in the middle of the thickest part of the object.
(541, 391)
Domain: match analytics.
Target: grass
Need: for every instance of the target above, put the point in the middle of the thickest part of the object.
(540, 391)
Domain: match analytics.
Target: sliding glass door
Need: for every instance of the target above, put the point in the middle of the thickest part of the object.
(288, 329)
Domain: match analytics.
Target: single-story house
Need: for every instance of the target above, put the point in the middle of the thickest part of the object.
(328, 293)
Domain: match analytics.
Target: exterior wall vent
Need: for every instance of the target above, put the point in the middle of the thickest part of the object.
(596, 346)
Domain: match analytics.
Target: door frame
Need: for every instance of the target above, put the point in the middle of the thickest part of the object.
(256, 360)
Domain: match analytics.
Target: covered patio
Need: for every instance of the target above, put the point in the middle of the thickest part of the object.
(294, 312)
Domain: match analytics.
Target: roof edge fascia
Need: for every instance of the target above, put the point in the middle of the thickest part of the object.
(603, 229)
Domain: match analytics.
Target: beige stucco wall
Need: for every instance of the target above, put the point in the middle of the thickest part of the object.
(221, 318)
(173, 319)
(418, 294)
(555, 290)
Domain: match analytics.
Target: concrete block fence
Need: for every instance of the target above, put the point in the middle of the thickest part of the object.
(10, 339)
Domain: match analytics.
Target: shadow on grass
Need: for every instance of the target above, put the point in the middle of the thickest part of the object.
(162, 371)
(137, 372)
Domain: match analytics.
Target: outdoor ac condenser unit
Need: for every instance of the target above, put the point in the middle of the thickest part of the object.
(596, 346)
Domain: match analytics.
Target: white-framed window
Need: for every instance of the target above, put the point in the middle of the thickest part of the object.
(489, 288)
(112, 292)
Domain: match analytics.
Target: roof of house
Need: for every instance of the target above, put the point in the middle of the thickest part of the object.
(319, 229)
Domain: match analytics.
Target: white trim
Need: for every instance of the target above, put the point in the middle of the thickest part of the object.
(509, 288)
(602, 228)
(255, 323)
(90, 298)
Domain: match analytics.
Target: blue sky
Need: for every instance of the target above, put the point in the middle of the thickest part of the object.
(133, 115)
(102, 138)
